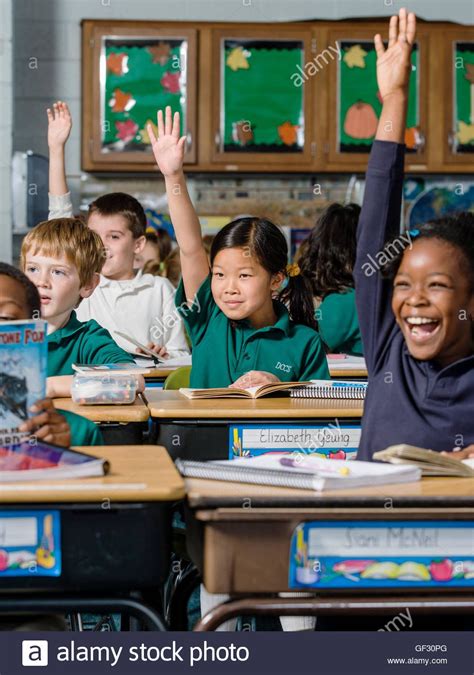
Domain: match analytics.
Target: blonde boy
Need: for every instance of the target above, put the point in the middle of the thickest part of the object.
(63, 258)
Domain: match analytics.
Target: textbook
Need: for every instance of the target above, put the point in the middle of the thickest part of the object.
(330, 389)
(23, 364)
(148, 353)
(251, 392)
(304, 472)
(44, 461)
(431, 463)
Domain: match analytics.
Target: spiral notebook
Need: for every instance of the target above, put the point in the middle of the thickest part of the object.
(304, 472)
(330, 389)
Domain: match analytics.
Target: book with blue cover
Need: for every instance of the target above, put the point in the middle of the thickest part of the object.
(23, 368)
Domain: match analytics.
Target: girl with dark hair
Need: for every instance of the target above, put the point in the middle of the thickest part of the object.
(241, 337)
(328, 259)
(417, 318)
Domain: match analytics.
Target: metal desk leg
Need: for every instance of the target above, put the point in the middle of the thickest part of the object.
(459, 604)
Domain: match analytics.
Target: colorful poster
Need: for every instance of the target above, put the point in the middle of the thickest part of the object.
(359, 99)
(30, 543)
(261, 109)
(333, 441)
(138, 77)
(375, 554)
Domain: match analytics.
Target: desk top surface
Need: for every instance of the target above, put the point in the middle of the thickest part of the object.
(138, 473)
(427, 493)
(348, 373)
(135, 412)
(172, 404)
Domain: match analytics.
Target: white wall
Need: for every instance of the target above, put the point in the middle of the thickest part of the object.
(6, 31)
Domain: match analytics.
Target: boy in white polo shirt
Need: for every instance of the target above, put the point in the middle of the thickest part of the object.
(125, 301)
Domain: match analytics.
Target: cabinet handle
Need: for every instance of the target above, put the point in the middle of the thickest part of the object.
(452, 142)
(217, 140)
(313, 148)
(189, 141)
(422, 142)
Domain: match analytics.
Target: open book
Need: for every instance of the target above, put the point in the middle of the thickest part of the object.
(251, 392)
(297, 470)
(431, 463)
(44, 461)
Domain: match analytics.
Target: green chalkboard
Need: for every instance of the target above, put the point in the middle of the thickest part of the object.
(358, 98)
(261, 108)
(138, 77)
(463, 74)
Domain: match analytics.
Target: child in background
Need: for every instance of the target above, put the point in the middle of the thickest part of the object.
(20, 300)
(139, 305)
(157, 247)
(63, 258)
(328, 260)
(240, 337)
(417, 320)
(170, 268)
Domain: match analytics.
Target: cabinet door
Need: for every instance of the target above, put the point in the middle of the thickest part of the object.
(130, 70)
(262, 103)
(459, 87)
(355, 104)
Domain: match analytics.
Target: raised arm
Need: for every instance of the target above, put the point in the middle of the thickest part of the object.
(59, 128)
(380, 216)
(168, 149)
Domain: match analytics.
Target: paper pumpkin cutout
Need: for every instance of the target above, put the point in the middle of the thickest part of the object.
(465, 133)
(355, 57)
(144, 132)
(121, 101)
(360, 121)
(126, 130)
(170, 82)
(237, 59)
(288, 133)
(160, 53)
(242, 132)
(117, 63)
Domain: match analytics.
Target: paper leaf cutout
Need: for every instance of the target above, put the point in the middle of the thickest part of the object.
(469, 75)
(354, 57)
(242, 132)
(144, 132)
(117, 63)
(288, 133)
(121, 101)
(465, 133)
(237, 59)
(126, 130)
(170, 82)
(160, 53)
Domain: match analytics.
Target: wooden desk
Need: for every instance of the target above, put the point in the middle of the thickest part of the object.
(343, 374)
(124, 414)
(235, 530)
(114, 537)
(200, 429)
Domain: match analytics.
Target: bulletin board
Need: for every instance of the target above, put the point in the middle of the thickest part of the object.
(359, 102)
(463, 74)
(261, 108)
(139, 77)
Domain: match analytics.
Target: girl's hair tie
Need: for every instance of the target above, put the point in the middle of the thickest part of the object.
(414, 233)
(293, 269)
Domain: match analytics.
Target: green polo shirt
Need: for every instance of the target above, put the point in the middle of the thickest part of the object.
(83, 431)
(338, 323)
(82, 342)
(224, 350)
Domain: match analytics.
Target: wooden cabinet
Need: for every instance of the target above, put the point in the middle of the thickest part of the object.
(130, 70)
(355, 104)
(281, 98)
(458, 128)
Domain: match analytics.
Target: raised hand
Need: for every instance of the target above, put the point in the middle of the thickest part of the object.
(168, 148)
(59, 125)
(393, 63)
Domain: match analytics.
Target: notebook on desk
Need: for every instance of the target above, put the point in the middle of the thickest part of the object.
(303, 472)
(431, 463)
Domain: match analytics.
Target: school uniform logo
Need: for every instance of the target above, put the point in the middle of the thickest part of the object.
(283, 366)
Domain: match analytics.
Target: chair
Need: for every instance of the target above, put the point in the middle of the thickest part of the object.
(178, 378)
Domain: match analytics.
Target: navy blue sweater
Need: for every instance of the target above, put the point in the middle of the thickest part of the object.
(408, 401)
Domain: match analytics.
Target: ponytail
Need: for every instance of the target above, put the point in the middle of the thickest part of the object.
(298, 296)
